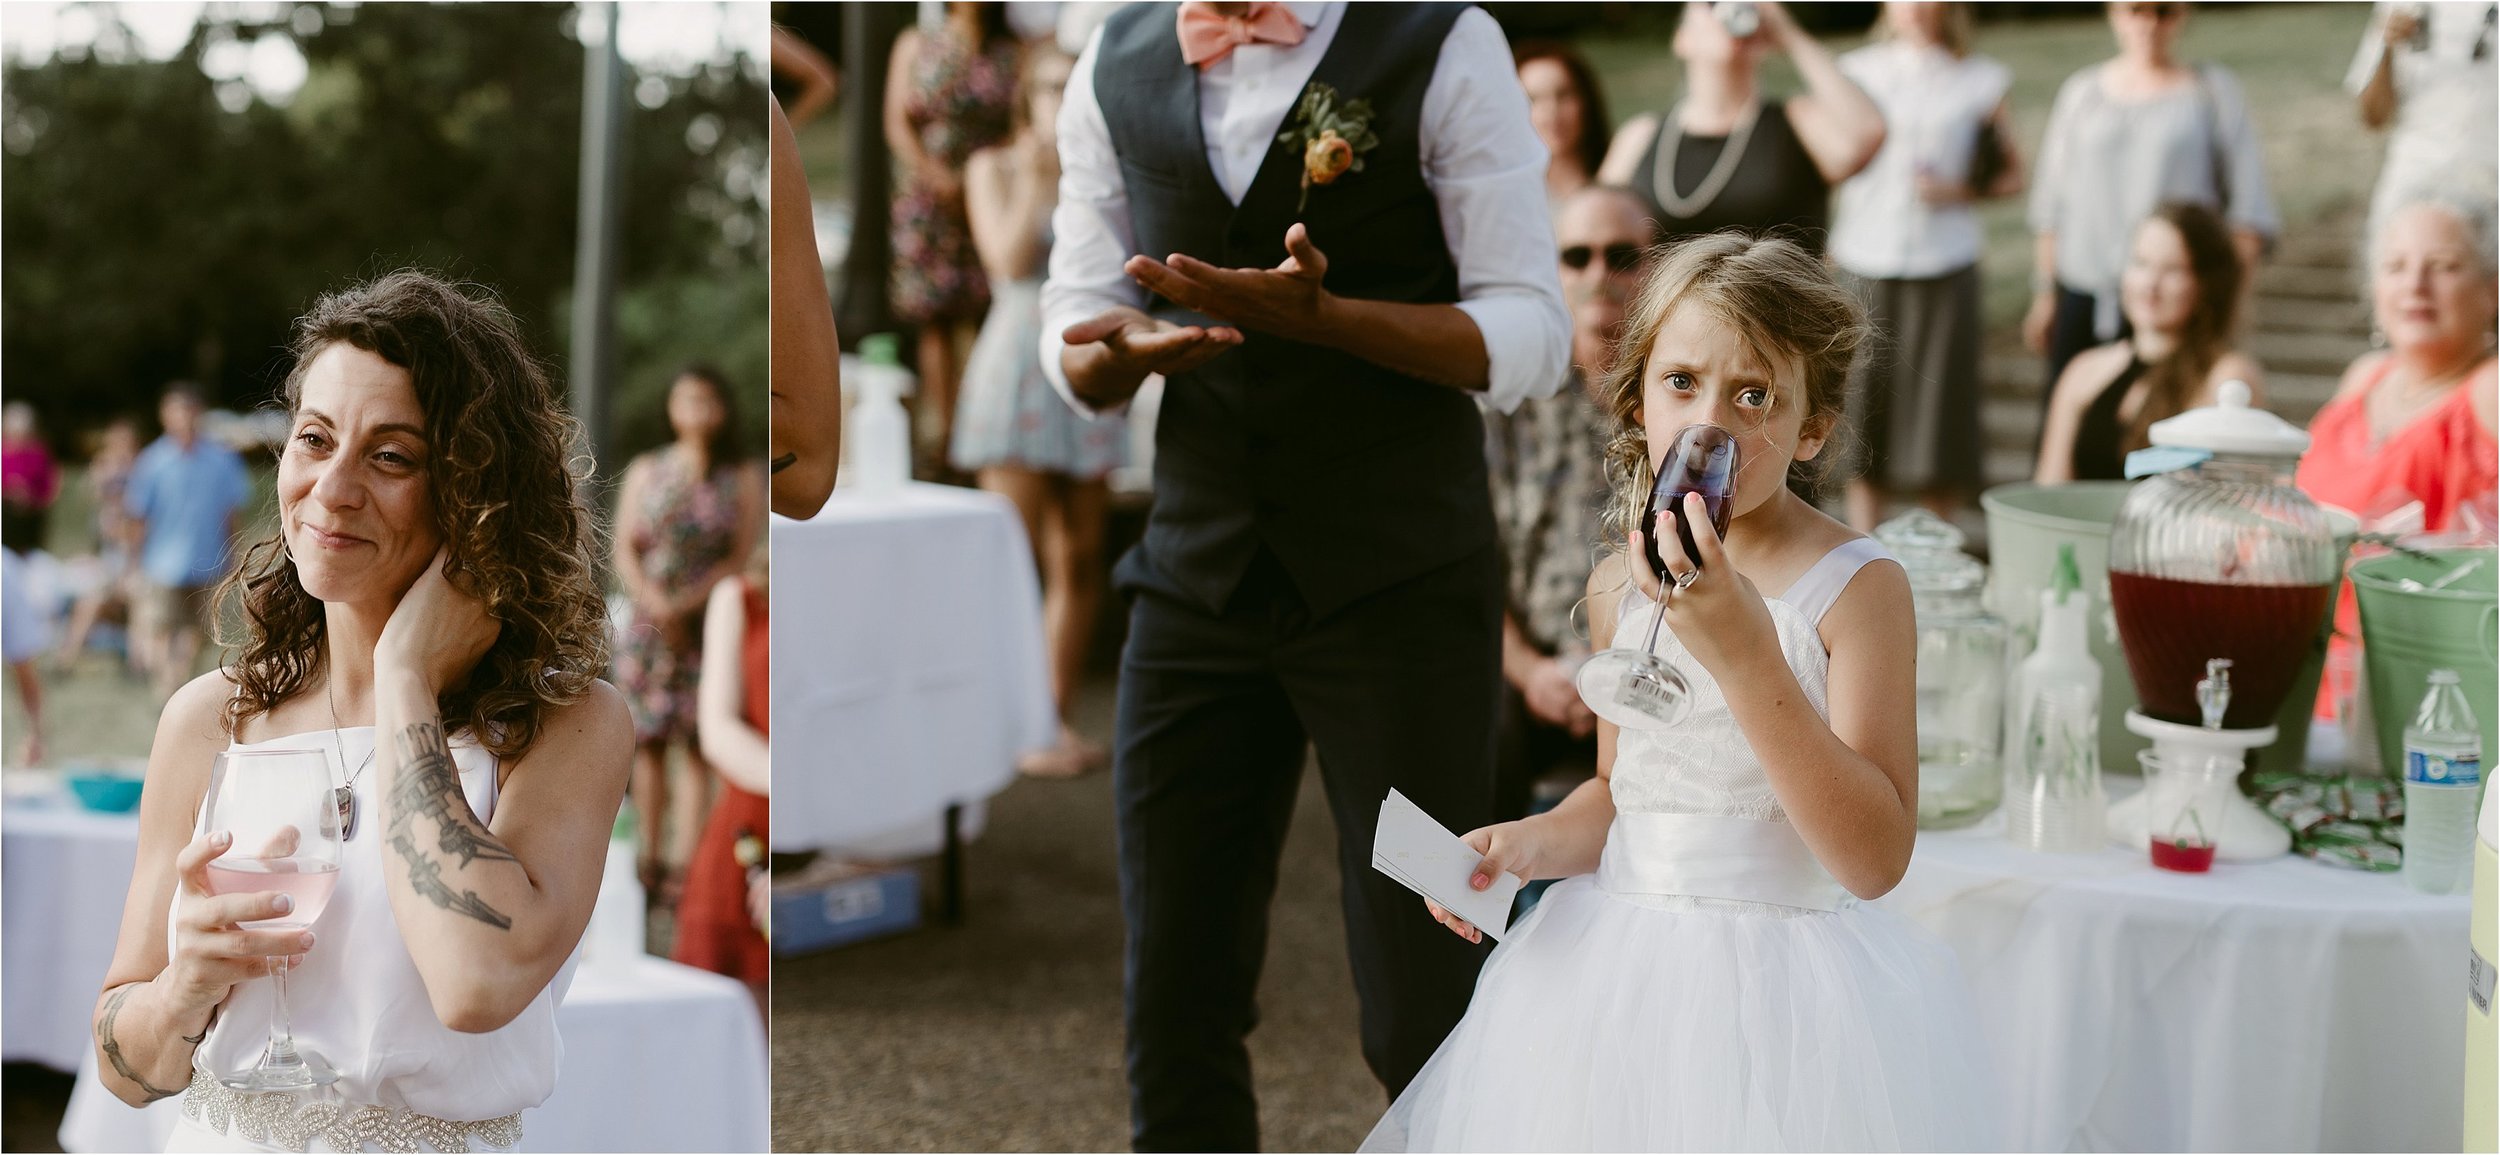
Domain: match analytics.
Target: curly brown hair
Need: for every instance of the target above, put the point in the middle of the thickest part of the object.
(1789, 311)
(509, 497)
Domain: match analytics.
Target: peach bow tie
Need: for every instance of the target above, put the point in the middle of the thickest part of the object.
(1208, 36)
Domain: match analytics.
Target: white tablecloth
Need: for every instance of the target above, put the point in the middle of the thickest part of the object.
(657, 1056)
(2276, 1006)
(908, 670)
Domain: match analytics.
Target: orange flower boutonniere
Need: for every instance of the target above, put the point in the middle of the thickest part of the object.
(1333, 135)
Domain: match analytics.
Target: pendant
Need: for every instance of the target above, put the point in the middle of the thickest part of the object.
(346, 798)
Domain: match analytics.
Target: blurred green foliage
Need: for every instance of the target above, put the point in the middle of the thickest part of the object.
(161, 223)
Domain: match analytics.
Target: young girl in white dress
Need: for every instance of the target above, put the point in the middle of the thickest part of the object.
(1706, 977)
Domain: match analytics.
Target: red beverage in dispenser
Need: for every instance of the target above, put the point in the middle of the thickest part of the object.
(2173, 627)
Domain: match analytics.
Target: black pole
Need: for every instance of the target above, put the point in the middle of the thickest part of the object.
(859, 294)
(595, 257)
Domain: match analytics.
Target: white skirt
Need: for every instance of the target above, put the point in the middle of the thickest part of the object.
(1606, 1023)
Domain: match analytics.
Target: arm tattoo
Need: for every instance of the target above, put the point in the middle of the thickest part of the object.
(112, 1047)
(785, 461)
(429, 785)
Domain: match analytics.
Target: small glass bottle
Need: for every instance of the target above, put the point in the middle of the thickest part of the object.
(1961, 672)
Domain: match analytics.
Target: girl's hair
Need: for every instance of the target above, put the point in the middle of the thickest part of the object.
(721, 451)
(2174, 381)
(1954, 31)
(506, 483)
(1594, 127)
(1786, 307)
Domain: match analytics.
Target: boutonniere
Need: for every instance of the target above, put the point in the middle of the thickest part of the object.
(1332, 134)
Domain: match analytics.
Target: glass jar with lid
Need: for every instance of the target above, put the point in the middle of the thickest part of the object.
(1961, 671)
(2216, 555)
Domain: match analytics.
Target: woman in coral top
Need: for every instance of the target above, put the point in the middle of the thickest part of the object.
(716, 925)
(2414, 422)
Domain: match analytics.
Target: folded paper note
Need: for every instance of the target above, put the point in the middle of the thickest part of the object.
(1424, 857)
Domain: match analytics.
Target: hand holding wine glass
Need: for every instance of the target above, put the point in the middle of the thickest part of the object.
(1634, 688)
(216, 945)
(1720, 613)
(272, 820)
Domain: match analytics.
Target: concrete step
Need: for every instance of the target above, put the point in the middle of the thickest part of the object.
(2308, 282)
(2348, 317)
(2321, 354)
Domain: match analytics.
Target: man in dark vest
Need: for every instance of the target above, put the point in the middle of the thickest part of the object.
(1325, 225)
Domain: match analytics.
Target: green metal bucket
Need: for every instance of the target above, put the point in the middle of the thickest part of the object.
(2408, 632)
(2025, 524)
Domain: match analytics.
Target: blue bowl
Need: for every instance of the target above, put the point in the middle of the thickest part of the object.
(107, 793)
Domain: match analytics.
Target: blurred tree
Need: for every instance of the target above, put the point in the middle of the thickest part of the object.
(164, 222)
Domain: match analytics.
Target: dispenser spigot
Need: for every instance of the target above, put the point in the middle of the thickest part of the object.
(2213, 691)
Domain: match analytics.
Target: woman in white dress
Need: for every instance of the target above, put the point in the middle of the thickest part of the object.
(429, 615)
(1706, 977)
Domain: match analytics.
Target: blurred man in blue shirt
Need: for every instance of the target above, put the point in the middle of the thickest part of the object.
(187, 494)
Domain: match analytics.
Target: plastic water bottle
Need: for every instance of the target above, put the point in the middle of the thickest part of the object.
(876, 451)
(2053, 795)
(2443, 788)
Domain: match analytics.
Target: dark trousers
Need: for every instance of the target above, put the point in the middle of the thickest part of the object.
(1399, 689)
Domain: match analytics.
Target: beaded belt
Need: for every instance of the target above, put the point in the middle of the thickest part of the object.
(279, 1118)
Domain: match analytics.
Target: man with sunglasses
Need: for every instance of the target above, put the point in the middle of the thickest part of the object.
(1547, 461)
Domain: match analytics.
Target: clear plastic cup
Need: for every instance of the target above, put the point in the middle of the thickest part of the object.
(2185, 796)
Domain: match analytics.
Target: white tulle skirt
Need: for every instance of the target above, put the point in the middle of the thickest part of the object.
(1627, 1023)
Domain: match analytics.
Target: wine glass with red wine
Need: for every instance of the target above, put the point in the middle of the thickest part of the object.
(1635, 688)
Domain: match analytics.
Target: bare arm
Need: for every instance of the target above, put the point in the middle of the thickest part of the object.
(807, 358)
(2084, 378)
(2378, 97)
(2251, 247)
(158, 1002)
(1008, 197)
(1850, 786)
(818, 83)
(1834, 119)
(488, 912)
(1623, 153)
(899, 137)
(737, 749)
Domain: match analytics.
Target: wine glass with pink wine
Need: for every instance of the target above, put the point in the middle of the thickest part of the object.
(282, 810)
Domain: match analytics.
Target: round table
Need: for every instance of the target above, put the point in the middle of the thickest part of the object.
(2276, 1006)
(908, 670)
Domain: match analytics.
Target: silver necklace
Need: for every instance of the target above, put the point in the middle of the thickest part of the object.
(1721, 171)
(345, 795)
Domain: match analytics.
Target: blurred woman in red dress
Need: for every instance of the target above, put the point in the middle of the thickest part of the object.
(717, 927)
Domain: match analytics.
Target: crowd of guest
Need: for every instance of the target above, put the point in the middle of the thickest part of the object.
(2150, 213)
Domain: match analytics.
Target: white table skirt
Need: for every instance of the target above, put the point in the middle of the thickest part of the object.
(657, 1056)
(908, 667)
(2276, 1006)
(67, 872)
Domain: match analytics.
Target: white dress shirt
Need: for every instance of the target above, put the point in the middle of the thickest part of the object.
(1934, 106)
(1481, 159)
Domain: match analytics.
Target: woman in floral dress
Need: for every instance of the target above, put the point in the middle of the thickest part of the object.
(948, 93)
(688, 517)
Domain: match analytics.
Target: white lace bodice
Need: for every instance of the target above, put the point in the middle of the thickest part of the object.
(1705, 765)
